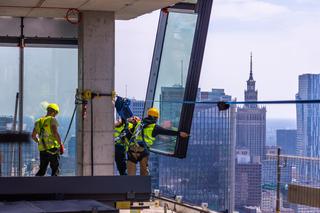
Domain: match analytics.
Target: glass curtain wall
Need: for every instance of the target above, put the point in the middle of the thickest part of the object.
(50, 76)
(9, 72)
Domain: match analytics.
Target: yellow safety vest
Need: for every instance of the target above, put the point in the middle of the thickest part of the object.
(117, 132)
(147, 134)
(46, 139)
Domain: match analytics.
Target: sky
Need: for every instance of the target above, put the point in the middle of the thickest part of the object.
(283, 37)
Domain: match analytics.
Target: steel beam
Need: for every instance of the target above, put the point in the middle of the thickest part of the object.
(102, 188)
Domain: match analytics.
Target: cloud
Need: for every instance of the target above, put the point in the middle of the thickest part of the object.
(247, 10)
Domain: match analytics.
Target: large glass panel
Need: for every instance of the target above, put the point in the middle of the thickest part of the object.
(172, 75)
(50, 76)
(9, 81)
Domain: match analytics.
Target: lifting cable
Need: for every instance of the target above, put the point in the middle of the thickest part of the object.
(78, 101)
(224, 105)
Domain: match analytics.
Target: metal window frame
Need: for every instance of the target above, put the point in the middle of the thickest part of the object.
(21, 41)
(203, 9)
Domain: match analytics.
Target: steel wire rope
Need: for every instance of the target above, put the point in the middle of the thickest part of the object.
(77, 102)
(307, 101)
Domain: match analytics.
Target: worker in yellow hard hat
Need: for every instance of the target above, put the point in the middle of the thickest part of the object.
(143, 138)
(45, 133)
(122, 134)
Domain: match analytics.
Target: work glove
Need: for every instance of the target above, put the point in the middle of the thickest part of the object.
(61, 149)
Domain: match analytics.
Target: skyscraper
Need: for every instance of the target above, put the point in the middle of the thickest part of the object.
(207, 173)
(248, 181)
(287, 141)
(308, 124)
(251, 122)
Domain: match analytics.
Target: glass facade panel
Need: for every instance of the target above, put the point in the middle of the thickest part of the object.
(172, 75)
(51, 76)
(9, 72)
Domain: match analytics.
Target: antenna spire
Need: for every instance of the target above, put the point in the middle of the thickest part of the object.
(251, 75)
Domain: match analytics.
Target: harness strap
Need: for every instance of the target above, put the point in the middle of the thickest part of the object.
(41, 134)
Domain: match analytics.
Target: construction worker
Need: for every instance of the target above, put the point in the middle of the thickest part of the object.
(143, 138)
(45, 133)
(122, 134)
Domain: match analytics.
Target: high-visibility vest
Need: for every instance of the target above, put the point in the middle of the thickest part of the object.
(46, 138)
(117, 134)
(147, 134)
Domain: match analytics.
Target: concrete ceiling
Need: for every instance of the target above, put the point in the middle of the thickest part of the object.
(124, 9)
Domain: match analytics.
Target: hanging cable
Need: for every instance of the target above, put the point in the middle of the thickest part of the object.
(310, 101)
(72, 117)
(78, 101)
(91, 136)
(224, 105)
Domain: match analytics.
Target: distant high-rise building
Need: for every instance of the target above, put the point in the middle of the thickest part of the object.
(5, 121)
(251, 123)
(137, 107)
(242, 156)
(10, 153)
(287, 141)
(207, 173)
(247, 181)
(247, 185)
(308, 124)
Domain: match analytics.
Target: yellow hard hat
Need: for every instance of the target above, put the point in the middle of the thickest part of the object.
(53, 106)
(154, 112)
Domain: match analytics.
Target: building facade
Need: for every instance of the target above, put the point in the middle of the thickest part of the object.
(287, 141)
(207, 173)
(248, 181)
(251, 123)
(308, 123)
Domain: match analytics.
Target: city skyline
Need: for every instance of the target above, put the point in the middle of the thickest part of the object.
(282, 36)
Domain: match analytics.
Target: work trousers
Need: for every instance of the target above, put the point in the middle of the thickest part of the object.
(45, 159)
(134, 158)
(120, 159)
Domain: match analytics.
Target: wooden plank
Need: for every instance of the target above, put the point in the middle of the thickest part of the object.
(304, 195)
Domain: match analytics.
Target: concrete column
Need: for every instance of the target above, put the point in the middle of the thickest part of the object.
(96, 72)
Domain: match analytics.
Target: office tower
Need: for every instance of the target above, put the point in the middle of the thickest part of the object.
(251, 123)
(307, 116)
(308, 120)
(287, 141)
(207, 173)
(137, 107)
(248, 181)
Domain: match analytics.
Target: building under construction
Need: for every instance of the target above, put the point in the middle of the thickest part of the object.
(64, 52)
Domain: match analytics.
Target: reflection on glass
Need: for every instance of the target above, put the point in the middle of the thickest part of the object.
(51, 76)
(172, 76)
(9, 72)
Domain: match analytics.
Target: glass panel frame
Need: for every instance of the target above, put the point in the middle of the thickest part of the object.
(203, 11)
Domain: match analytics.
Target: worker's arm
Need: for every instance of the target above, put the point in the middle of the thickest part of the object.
(158, 130)
(34, 135)
(54, 128)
